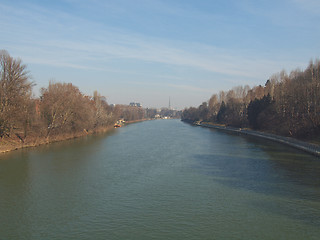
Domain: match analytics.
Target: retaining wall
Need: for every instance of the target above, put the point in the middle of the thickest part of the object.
(304, 146)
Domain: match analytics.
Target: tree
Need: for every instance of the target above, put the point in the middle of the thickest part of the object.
(191, 114)
(103, 113)
(65, 109)
(213, 107)
(15, 96)
(151, 112)
(130, 113)
(286, 104)
(221, 113)
(255, 108)
(203, 111)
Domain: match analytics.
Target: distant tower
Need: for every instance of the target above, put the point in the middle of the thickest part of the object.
(169, 103)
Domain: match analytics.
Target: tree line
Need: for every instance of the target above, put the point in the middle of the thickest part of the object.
(61, 110)
(288, 104)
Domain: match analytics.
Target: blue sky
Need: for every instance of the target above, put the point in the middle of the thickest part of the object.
(149, 50)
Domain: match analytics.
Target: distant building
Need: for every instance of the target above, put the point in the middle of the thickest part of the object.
(134, 104)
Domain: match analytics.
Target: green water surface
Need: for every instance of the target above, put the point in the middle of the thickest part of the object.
(160, 179)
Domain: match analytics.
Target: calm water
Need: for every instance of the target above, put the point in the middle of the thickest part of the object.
(160, 180)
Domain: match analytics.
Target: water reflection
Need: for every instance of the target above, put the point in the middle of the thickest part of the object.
(287, 179)
(305, 211)
(161, 180)
(252, 163)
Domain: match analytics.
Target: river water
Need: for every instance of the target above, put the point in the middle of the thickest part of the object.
(160, 179)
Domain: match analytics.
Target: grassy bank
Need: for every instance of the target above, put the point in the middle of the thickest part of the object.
(14, 143)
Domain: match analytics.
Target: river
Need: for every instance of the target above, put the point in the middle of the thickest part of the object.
(161, 179)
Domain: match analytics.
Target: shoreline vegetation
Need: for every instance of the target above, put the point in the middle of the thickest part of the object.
(61, 112)
(287, 106)
(14, 144)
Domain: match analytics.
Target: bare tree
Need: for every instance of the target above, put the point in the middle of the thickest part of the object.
(65, 109)
(15, 96)
(103, 113)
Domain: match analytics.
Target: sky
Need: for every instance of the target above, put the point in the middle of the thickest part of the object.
(148, 51)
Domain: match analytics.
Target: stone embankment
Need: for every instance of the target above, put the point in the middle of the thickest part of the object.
(304, 146)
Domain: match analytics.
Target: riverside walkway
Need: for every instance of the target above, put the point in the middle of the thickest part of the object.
(304, 146)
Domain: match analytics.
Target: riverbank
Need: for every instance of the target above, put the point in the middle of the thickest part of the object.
(301, 145)
(139, 120)
(14, 143)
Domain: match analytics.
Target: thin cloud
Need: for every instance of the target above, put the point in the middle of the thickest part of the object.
(109, 43)
(61, 39)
